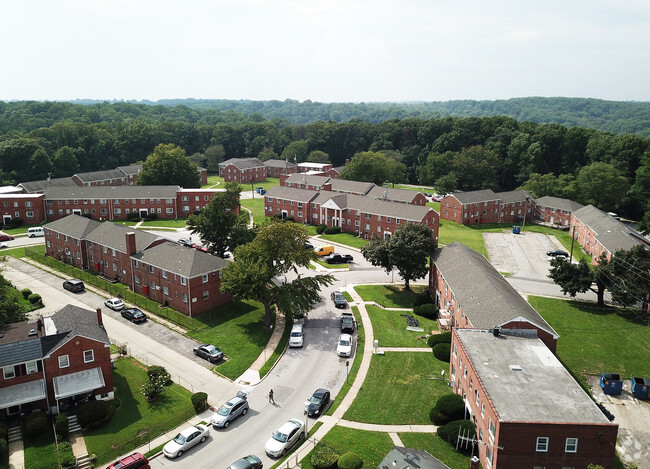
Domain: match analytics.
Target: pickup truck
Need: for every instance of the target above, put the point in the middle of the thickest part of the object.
(338, 258)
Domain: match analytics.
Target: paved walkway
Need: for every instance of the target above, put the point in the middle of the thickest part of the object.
(16, 455)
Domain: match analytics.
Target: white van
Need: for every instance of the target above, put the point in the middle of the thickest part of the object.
(297, 336)
(36, 231)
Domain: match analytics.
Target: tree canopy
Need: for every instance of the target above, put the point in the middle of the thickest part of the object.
(169, 165)
(11, 309)
(374, 167)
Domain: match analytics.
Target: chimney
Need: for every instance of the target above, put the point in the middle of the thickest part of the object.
(130, 243)
(99, 317)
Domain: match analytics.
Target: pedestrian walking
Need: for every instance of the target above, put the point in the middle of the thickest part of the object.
(271, 400)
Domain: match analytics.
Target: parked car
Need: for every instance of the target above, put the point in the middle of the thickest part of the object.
(309, 246)
(285, 438)
(115, 304)
(338, 258)
(324, 250)
(339, 300)
(317, 403)
(426, 194)
(344, 347)
(132, 461)
(185, 440)
(6, 237)
(200, 247)
(296, 338)
(209, 352)
(436, 199)
(347, 322)
(3, 245)
(186, 242)
(228, 412)
(74, 285)
(557, 253)
(249, 462)
(134, 315)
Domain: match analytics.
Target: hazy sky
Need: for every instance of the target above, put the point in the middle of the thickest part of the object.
(326, 50)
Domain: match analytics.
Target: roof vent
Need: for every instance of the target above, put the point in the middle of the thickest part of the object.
(515, 367)
(32, 333)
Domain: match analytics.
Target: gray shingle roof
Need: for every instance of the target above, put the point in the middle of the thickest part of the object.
(611, 233)
(243, 163)
(558, 203)
(351, 187)
(302, 178)
(485, 297)
(367, 204)
(181, 260)
(75, 226)
(396, 195)
(112, 192)
(113, 236)
(409, 458)
(71, 321)
(131, 169)
(41, 186)
(512, 196)
(280, 164)
(21, 351)
(472, 197)
(542, 390)
(291, 193)
(100, 175)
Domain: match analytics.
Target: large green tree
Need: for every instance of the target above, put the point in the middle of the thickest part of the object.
(371, 166)
(407, 250)
(260, 268)
(216, 222)
(65, 162)
(169, 165)
(580, 277)
(600, 184)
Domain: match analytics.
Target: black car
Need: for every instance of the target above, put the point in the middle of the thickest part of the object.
(347, 322)
(74, 285)
(134, 315)
(318, 402)
(338, 258)
(186, 242)
(339, 300)
(209, 352)
(557, 253)
(309, 246)
(249, 462)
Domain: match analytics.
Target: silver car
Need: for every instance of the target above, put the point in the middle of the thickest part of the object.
(228, 412)
(285, 438)
(185, 440)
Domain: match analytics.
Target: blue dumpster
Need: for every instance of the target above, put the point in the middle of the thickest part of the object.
(516, 229)
(263, 191)
(640, 388)
(611, 383)
(258, 190)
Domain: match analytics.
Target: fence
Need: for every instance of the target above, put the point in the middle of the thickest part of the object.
(113, 288)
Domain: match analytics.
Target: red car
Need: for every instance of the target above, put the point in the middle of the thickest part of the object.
(5, 237)
(200, 248)
(133, 461)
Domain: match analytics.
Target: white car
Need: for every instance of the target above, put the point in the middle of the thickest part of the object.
(115, 304)
(285, 438)
(3, 245)
(344, 347)
(297, 336)
(185, 440)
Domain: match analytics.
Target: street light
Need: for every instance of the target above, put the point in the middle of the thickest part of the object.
(347, 370)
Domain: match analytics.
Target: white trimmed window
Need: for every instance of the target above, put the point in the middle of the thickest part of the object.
(542, 444)
(64, 361)
(183, 281)
(89, 356)
(205, 278)
(571, 445)
(492, 429)
(9, 372)
(31, 367)
(206, 295)
(184, 297)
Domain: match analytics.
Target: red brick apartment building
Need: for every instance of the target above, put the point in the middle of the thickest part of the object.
(243, 170)
(52, 363)
(528, 410)
(554, 210)
(277, 168)
(472, 294)
(598, 233)
(307, 181)
(183, 278)
(485, 206)
(27, 207)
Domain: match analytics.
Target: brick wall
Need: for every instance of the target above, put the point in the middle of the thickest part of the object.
(552, 215)
(28, 208)
(586, 237)
(66, 248)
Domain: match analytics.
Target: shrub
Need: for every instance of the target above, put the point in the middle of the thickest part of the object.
(320, 228)
(3, 430)
(133, 216)
(61, 425)
(324, 458)
(290, 218)
(429, 311)
(34, 298)
(4, 449)
(13, 223)
(332, 230)
(442, 352)
(444, 338)
(156, 372)
(150, 217)
(35, 423)
(26, 292)
(450, 432)
(66, 456)
(199, 401)
(449, 407)
(93, 413)
(349, 461)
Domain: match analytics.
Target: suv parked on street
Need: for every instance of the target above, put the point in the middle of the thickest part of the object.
(74, 285)
(339, 300)
(228, 412)
(347, 322)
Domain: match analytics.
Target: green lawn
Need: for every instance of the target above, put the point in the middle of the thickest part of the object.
(238, 329)
(595, 340)
(372, 447)
(349, 239)
(390, 296)
(212, 180)
(166, 223)
(451, 231)
(21, 230)
(390, 328)
(399, 390)
(136, 421)
(332, 266)
(40, 452)
(436, 447)
(125, 222)
(256, 206)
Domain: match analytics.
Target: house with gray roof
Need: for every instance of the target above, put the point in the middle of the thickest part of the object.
(486, 206)
(409, 458)
(554, 211)
(307, 181)
(54, 362)
(403, 196)
(39, 187)
(350, 187)
(276, 168)
(472, 294)
(599, 233)
(243, 170)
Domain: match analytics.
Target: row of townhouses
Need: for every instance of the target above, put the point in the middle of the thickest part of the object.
(357, 207)
(53, 362)
(249, 170)
(186, 279)
(527, 408)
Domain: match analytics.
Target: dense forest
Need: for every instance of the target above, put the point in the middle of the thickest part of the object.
(607, 169)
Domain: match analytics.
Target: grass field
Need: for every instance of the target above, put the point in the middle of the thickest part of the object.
(595, 340)
(390, 328)
(256, 206)
(399, 390)
(436, 447)
(165, 223)
(390, 296)
(40, 451)
(136, 421)
(345, 238)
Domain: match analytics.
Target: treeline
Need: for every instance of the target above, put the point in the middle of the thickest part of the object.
(497, 152)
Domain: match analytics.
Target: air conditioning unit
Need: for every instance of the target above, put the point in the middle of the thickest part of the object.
(158, 287)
